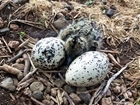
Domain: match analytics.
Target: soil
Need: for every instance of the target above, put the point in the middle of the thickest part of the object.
(20, 31)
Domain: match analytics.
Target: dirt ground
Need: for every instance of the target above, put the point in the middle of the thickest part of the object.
(23, 24)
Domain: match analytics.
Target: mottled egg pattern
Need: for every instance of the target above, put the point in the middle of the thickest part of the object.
(48, 53)
(88, 69)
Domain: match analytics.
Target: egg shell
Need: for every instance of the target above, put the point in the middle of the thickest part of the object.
(48, 53)
(88, 69)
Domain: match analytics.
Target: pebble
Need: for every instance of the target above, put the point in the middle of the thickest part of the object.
(65, 101)
(69, 89)
(13, 44)
(85, 97)
(14, 27)
(8, 84)
(53, 92)
(36, 86)
(46, 102)
(111, 11)
(76, 99)
(38, 95)
(19, 66)
(60, 23)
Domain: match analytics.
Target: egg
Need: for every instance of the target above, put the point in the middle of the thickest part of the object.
(48, 53)
(88, 69)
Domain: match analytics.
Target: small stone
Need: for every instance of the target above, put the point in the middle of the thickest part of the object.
(104, 2)
(53, 92)
(36, 86)
(14, 27)
(75, 98)
(46, 102)
(15, 81)
(65, 101)
(19, 66)
(60, 23)
(108, 93)
(134, 94)
(48, 97)
(38, 95)
(52, 102)
(85, 97)
(107, 101)
(129, 93)
(20, 60)
(8, 84)
(13, 44)
(117, 89)
(69, 89)
(81, 89)
(47, 90)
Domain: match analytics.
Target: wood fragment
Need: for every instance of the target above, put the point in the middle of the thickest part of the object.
(17, 56)
(27, 64)
(6, 44)
(114, 60)
(114, 77)
(22, 45)
(36, 101)
(12, 70)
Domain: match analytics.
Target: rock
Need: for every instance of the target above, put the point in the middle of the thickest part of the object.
(38, 95)
(60, 23)
(46, 102)
(14, 27)
(19, 66)
(69, 89)
(13, 44)
(8, 84)
(53, 92)
(111, 11)
(65, 101)
(75, 98)
(85, 97)
(36, 86)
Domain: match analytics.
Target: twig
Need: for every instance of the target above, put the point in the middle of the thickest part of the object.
(109, 51)
(36, 101)
(12, 70)
(22, 45)
(69, 99)
(96, 93)
(17, 56)
(30, 73)
(24, 84)
(4, 3)
(114, 60)
(114, 77)
(27, 64)
(6, 44)
(33, 24)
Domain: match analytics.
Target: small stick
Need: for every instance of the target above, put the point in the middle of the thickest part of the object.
(4, 3)
(6, 44)
(27, 64)
(17, 56)
(114, 77)
(24, 84)
(69, 99)
(36, 101)
(114, 60)
(22, 45)
(12, 70)
(109, 51)
(27, 76)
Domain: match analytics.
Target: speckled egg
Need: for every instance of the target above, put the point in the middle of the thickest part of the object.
(88, 69)
(48, 53)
